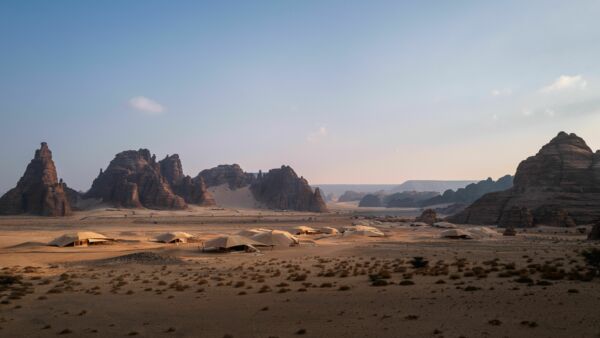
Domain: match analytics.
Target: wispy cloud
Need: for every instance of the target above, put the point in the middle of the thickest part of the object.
(501, 92)
(317, 135)
(565, 82)
(146, 105)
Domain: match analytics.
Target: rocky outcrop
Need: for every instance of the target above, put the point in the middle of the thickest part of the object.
(516, 217)
(133, 179)
(594, 234)
(471, 192)
(560, 185)
(230, 174)
(428, 216)
(282, 189)
(351, 196)
(39, 191)
(193, 191)
(371, 201)
(408, 199)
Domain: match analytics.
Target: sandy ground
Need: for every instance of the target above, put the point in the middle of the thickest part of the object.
(494, 286)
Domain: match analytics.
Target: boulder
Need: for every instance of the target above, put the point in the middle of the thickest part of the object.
(39, 191)
(509, 231)
(594, 234)
(193, 191)
(560, 185)
(133, 179)
(282, 189)
(428, 216)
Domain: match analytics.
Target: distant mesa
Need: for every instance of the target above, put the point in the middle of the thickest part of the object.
(430, 185)
(230, 174)
(351, 196)
(471, 192)
(558, 186)
(39, 191)
(371, 201)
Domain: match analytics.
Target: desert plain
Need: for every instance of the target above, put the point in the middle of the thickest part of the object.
(409, 283)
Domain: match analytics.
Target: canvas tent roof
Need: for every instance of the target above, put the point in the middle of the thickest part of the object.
(74, 237)
(252, 232)
(276, 238)
(444, 225)
(303, 229)
(173, 236)
(363, 230)
(456, 233)
(230, 241)
(329, 230)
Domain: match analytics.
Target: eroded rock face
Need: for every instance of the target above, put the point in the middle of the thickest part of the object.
(39, 191)
(471, 192)
(560, 185)
(283, 189)
(594, 235)
(428, 216)
(516, 217)
(230, 174)
(193, 191)
(133, 179)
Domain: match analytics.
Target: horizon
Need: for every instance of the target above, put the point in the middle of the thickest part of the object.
(385, 93)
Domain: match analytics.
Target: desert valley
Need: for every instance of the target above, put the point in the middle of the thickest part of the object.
(148, 251)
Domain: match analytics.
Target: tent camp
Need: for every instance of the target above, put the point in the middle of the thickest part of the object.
(174, 237)
(252, 232)
(329, 231)
(304, 230)
(362, 230)
(232, 243)
(83, 238)
(456, 234)
(276, 238)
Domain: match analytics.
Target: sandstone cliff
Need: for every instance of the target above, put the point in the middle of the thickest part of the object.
(39, 191)
(560, 185)
(230, 174)
(193, 191)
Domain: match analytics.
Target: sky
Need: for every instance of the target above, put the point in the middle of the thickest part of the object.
(343, 91)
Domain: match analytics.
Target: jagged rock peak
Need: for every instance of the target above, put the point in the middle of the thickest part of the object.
(39, 191)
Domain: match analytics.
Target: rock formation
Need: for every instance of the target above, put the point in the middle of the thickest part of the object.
(371, 201)
(133, 179)
(594, 234)
(516, 217)
(428, 216)
(471, 192)
(408, 199)
(193, 191)
(39, 191)
(350, 196)
(282, 189)
(230, 174)
(560, 185)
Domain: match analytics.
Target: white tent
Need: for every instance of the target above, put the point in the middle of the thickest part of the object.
(82, 238)
(232, 242)
(444, 225)
(174, 237)
(304, 230)
(252, 232)
(456, 234)
(329, 230)
(362, 230)
(276, 238)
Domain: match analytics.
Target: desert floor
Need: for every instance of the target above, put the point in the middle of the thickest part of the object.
(329, 286)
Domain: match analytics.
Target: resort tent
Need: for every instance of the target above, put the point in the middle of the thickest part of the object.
(444, 225)
(83, 238)
(329, 231)
(456, 234)
(232, 242)
(304, 230)
(174, 237)
(276, 238)
(362, 230)
(252, 232)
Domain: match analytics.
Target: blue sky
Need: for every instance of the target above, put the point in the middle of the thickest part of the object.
(344, 91)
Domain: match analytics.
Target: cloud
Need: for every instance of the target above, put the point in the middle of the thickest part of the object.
(146, 105)
(565, 82)
(317, 135)
(502, 92)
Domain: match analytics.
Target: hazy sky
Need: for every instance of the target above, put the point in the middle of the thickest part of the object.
(344, 91)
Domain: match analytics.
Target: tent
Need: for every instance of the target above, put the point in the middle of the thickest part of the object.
(232, 243)
(276, 238)
(304, 230)
(362, 230)
(252, 232)
(174, 237)
(456, 234)
(444, 225)
(83, 238)
(329, 231)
